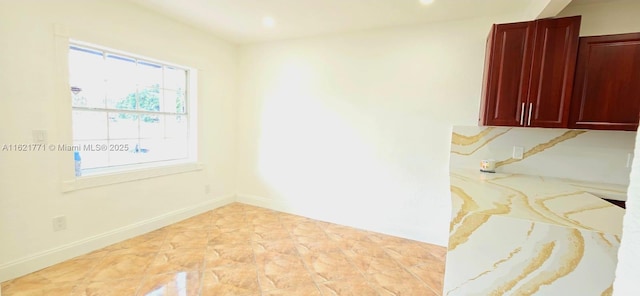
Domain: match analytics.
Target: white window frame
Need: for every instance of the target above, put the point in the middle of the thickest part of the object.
(129, 172)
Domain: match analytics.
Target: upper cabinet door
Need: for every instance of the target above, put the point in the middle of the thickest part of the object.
(552, 72)
(607, 83)
(506, 76)
(529, 71)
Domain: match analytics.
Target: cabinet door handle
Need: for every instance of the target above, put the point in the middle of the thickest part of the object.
(522, 114)
(530, 109)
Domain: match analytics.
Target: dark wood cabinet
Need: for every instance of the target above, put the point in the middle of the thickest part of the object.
(607, 83)
(529, 70)
(506, 73)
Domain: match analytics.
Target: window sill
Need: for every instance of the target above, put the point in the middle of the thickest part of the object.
(85, 182)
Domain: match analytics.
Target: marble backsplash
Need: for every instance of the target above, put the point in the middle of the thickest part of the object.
(588, 155)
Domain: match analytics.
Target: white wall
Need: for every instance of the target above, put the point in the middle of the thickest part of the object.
(30, 183)
(355, 128)
(606, 17)
(539, 9)
(362, 120)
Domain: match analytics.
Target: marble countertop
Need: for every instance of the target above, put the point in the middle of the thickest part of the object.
(564, 202)
(604, 190)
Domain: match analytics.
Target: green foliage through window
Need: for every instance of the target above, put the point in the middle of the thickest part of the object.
(148, 99)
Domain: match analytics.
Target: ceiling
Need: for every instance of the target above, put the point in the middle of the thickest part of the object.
(240, 21)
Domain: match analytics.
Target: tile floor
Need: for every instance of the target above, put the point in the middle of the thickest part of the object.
(243, 250)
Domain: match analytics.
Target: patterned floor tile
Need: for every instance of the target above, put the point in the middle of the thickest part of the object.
(171, 284)
(243, 250)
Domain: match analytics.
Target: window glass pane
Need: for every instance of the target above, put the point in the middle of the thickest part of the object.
(175, 101)
(122, 152)
(89, 125)
(86, 77)
(149, 74)
(100, 79)
(88, 95)
(151, 126)
(147, 151)
(90, 156)
(149, 99)
(123, 126)
(122, 97)
(176, 126)
(175, 79)
(121, 82)
(175, 148)
(87, 61)
(164, 149)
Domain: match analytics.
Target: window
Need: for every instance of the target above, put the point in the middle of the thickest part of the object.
(128, 112)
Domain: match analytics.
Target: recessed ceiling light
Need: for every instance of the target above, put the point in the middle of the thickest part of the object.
(426, 2)
(268, 22)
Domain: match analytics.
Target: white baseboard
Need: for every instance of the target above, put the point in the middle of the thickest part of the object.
(25, 265)
(255, 200)
(280, 206)
(273, 204)
(264, 202)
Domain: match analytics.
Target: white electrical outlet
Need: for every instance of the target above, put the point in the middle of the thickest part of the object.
(59, 223)
(39, 136)
(518, 152)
